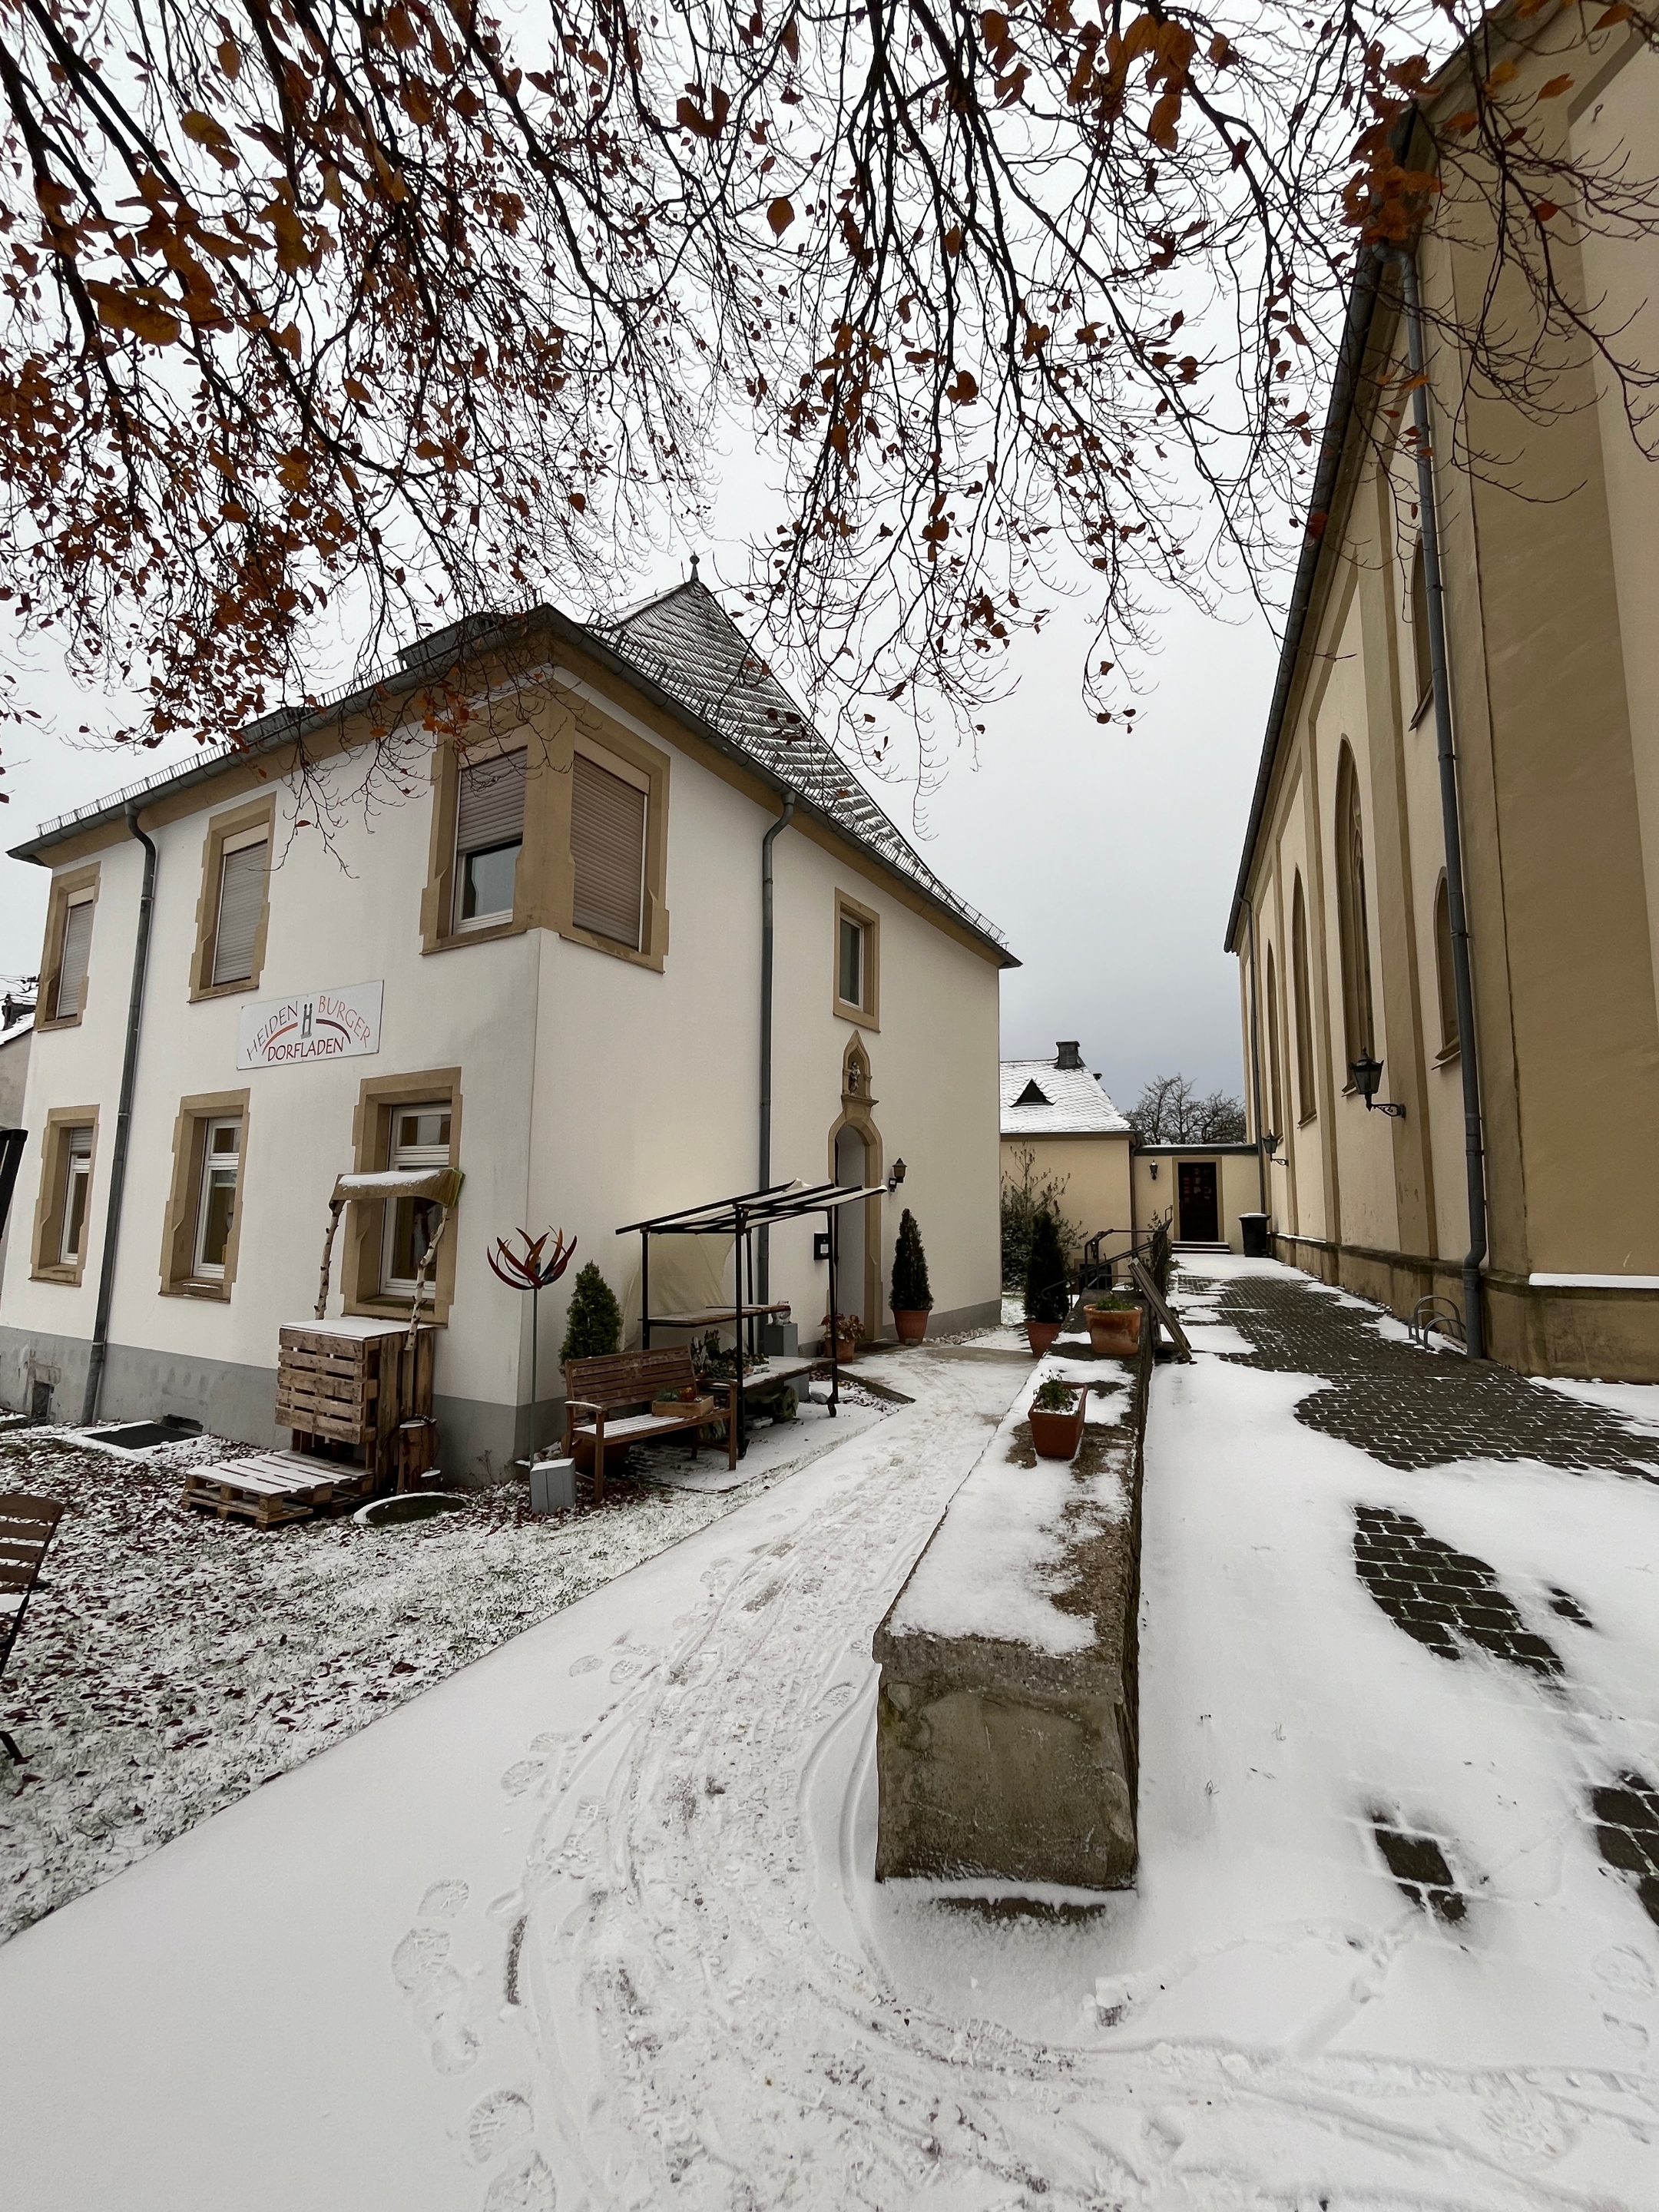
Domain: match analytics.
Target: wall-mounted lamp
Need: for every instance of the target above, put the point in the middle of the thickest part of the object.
(897, 1175)
(821, 1244)
(1154, 1170)
(1270, 1143)
(1367, 1074)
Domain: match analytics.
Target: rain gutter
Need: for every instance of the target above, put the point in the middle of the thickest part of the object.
(118, 1169)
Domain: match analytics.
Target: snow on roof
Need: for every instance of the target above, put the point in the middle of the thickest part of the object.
(685, 641)
(1069, 1102)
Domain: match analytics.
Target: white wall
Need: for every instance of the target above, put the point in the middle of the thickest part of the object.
(593, 1090)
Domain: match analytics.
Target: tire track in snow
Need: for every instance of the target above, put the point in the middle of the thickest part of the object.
(710, 2021)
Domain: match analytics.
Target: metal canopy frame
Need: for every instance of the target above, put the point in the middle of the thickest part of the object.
(739, 1217)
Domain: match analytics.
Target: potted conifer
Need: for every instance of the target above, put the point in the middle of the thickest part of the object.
(1048, 1293)
(592, 1328)
(913, 1296)
(1057, 1419)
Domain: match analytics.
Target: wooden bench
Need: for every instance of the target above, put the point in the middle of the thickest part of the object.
(610, 1385)
(26, 1526)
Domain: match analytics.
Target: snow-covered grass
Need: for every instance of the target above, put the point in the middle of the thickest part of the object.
(594, 1925)
(171, 1662)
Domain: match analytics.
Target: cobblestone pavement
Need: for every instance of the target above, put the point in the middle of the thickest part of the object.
(1412, 1409)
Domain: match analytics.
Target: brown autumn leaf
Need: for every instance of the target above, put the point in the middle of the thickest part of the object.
(119, 309)
(207, 130)
(1555, 87)
(417, 101)
(1504, 73)
(1161, 124)
(789, 39)
(964, 389)
(779, 214)
(229, 56)
(1544, 208)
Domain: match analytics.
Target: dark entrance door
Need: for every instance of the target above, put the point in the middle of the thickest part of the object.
(1201, 1213)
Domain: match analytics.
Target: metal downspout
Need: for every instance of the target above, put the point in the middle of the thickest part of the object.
(1255, 1064)
(117, 1166)
(763, 1254)
(1473, 1157)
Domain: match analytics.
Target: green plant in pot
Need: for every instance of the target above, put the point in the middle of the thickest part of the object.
(1056, 1419)
(593, 1324)
(1114, 1322)
(913, 1296)
(1047, 1288)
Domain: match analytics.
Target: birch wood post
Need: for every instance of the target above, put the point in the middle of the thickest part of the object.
(336, 1208)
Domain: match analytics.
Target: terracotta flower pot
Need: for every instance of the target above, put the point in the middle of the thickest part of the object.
(1057, 1436)
(1039, 1334)
(1114, 1331)
(911, 1323)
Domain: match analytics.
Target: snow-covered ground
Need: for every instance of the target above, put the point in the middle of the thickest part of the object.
(591, 1924)
(171, 1662)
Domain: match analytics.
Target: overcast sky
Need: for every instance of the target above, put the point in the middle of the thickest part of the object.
(1107, 860)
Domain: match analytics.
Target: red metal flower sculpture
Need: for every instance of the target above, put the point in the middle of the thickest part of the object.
(528, 1271)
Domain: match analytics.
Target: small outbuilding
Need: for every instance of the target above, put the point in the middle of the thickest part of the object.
(1058, 1126)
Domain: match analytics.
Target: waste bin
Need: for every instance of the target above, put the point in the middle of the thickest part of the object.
(1254, 1228)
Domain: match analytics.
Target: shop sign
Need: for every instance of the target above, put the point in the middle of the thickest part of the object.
(341, 1025)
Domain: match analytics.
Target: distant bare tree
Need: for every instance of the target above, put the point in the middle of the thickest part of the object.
(1169, 1111)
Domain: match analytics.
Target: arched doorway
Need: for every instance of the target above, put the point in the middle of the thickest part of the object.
(855, 1162)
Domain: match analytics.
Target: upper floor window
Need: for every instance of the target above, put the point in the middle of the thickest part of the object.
(1306, 1097)
(1422, 661)
(488, 836)
(1445, 973)
(608, 810)
(234, 909)
(1353, 932)
(77, 951)
(419, 1139)
(242, 867)
(1274, 1097)
(857, 938)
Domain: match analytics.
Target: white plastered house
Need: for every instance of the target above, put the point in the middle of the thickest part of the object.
(535, 955)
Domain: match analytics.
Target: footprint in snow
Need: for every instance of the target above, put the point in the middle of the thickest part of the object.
(1622, 1968)
(443, 1900)
(496, 2124)
(585, 1666)
(525, 2186)
(438, 1997)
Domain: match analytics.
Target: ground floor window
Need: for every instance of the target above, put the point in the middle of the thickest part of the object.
(420, 1138)
(202, 1227)
(62, 1212)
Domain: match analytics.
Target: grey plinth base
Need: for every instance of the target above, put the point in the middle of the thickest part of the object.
(996, 1761)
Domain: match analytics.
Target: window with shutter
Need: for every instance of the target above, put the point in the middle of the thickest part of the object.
(242, 902)
(72, 967)
(607, 845)
(489, 832)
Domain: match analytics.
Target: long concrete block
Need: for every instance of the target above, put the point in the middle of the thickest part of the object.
(1007, 1728)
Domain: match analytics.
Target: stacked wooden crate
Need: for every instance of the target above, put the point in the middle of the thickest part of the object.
(354, 1382)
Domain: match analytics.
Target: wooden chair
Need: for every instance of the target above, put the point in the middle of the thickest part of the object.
(26, 1526)
(608, 1385)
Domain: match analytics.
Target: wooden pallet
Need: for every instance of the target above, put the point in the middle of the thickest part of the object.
(272, 1487)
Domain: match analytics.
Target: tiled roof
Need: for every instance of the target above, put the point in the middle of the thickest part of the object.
(685, 641)
(1071, 1102)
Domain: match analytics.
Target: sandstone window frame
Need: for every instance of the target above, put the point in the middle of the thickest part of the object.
(378, 1097)
(47, 1264)
(865, 1011)
(495, 919)
(236, 826)
(181, 1222)
(440, 931)
(75, 887)
(620, 752)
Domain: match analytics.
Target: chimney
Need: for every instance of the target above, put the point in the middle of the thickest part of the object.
(1067, 1054)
